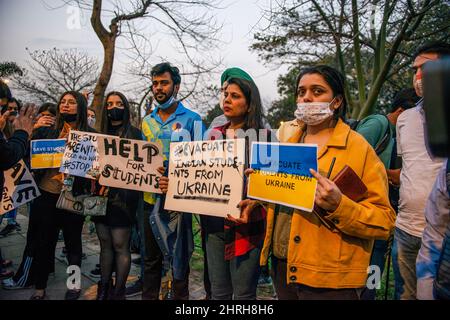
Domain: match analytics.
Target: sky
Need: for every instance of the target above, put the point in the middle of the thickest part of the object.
(31, 24)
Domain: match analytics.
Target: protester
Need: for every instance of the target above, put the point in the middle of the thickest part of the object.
(379, 132)
(114, 229)
(13, 149)
(437, 214)
(233, 246)
(91, 117)
(13, 107)
(310, 260)
(168, 239)
(418, 173)
(47, 114)
(44, 216)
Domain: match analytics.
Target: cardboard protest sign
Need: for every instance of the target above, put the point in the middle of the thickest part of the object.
(129, 164)
(282, 174)
(206, 177)
(47, 153)
(18, 189)
(81, 155)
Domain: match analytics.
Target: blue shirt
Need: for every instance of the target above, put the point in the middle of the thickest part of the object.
(172, 231)
(182, 125)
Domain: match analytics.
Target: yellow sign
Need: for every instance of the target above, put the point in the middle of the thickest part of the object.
(281, 174)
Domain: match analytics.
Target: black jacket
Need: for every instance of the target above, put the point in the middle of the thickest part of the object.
(125, 201)
(12, 151)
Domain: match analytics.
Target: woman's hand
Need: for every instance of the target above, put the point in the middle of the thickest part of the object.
(44, 121)
(328, 195)
(248, 172)
(247, 207)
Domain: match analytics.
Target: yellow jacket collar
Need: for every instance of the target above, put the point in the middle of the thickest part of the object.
(292, 131)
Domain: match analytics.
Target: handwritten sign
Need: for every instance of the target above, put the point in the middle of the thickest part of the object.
(206, 177)
(47, 153)
(81, 155)
(282, 174)
(18, 189)
(129, 164)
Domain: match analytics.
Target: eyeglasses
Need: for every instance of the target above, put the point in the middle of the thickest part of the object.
(72, 102)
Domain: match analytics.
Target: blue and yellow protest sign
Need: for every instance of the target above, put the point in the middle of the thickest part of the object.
(47, 153)
(282, 174)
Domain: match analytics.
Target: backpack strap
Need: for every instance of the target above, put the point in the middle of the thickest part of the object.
(384, 142)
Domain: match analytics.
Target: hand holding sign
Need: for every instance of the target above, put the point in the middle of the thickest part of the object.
(328, 195)
(247, 206)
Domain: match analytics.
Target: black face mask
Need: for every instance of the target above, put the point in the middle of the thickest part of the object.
(67, 117)
(116, 114)
(13, 113)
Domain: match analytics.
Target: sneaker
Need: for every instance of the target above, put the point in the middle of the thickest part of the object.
(6, 274)
(136, 261)
(10, 228)
(72, 294)
(134, 290)
(10, 284)
(6, 263)
(63, 252)
(96, 273)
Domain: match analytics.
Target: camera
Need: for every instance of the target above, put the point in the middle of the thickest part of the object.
(436, 99)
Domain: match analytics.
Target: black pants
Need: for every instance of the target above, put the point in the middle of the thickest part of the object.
(153, 262)
(48, 220)
(24, 276)
(301, 292)
(284, 291)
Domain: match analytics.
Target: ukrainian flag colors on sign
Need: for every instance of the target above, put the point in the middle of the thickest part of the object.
(47, 153)
(282, 174)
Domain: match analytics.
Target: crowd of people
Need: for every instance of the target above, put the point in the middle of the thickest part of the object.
(319, 255)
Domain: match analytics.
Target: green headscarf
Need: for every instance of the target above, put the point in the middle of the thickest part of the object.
(234, 73)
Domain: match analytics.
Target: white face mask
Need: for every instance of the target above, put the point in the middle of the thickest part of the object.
(313, 113)
(91, 122)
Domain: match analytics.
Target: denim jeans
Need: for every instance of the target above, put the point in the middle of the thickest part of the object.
(234, 279)
(404, 254)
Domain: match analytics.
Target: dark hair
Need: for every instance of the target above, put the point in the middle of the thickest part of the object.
(4, 91)
(335, 80)
(124, 130)
(19, 104)
(167, 67)
(93, 110)
(81, 124)
(48, 106)
(405, 99)
(253, 118)
(438, 47)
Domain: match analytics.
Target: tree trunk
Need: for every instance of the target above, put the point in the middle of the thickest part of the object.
(103, 80)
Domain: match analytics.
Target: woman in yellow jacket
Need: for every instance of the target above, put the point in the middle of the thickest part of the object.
(309, 259)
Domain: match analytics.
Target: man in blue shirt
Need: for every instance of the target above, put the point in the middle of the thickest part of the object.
(168, 240)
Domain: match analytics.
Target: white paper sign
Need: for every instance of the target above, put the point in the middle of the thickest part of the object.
(19, 188)
(81, 155)
(129, 164)
(206, 177)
